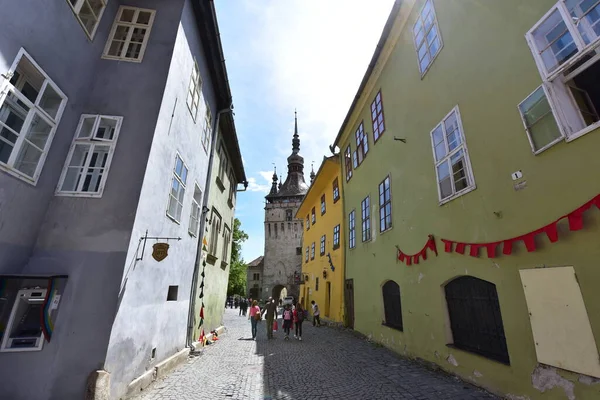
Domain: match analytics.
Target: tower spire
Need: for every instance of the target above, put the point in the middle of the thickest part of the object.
(274, 183)
(296, 139)
(312, 172)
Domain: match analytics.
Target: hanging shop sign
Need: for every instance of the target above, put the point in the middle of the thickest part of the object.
(160, 251)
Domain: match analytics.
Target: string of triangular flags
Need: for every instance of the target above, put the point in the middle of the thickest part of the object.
(202, 337)
(575, 220)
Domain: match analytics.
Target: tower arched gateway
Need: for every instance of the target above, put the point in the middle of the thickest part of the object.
(283, 232)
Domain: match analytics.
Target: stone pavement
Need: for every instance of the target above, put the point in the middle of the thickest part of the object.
(326, 364)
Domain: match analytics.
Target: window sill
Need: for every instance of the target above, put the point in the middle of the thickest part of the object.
(387, 230)
(220, 184)
(211, 259)
(336, 200)
(172, 218)
(192, 234)
(454, 347)
(583, 132)
(85, 195)
(18, 175)
(224, 265)
(459, 194)
(105, 57)
(394, 327)
(335, 247)
(230, 203)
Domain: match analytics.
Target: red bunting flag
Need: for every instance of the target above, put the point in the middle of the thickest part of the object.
(409, 259)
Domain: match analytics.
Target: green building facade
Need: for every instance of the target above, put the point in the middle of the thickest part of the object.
(476, 123)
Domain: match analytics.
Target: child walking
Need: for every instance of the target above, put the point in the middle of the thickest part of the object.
(287, 321)
(298, 319)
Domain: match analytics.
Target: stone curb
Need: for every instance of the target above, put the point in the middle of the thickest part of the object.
(198, 345)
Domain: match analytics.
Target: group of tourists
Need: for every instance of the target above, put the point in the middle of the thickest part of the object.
(293, 317)
(240, 302)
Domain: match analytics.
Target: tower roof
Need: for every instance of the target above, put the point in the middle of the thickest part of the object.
(294, 185)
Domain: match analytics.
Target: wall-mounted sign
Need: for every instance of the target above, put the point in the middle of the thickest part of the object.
(160, 251)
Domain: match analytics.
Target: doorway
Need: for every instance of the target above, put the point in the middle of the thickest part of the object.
(349, 302)
(327, 299)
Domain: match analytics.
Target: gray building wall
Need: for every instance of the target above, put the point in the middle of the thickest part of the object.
(145, 319)
(95, 241)
(281, 258)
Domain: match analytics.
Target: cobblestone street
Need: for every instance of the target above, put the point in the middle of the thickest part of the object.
(327, 364)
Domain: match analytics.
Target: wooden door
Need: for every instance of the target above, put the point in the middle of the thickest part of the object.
(327, 299)
(349, 302)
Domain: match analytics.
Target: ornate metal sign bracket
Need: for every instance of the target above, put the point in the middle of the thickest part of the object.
(146, 237)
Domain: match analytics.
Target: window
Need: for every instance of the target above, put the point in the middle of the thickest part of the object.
(222, 162)
(275, 225)
(540, 124)
(206, 130)
(312, 251)
(452, 165)
(90, 156)
(313, 216)
(193, 97)
(475, 317)
(255, 277)
(306, 257)
(232, 188)
(385, 205)
(269, 225)
(365, 207)
(129, 34)
(336, 190)
(336, 236)
(196, 213)
(564, 45)
(177, 189)
(172, 293)
(215, 230)
(392, 305)
(298, 251)
(323, 206)
(226, 244)
(88, 13)
(351, 229)
(307, 223)
(377, 117)
(31, 106)
(322, 247)
(428, 41)
(282, 227)
(362, 144)
(348, 162)
(288, 215)
(317, 284)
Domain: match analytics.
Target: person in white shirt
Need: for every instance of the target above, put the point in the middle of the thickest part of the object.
(316, 314)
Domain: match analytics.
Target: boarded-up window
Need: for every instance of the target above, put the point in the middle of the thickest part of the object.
(475, 317)
(561, 329)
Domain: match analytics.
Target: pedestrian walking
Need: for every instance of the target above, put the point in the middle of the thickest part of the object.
(241, 306)
(288, 318)
(270, 310)
(245, 309)
(316, 314)
(298, 319)
(254, 317)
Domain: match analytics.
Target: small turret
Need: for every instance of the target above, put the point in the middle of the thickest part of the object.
(312, 173)
(274, 184)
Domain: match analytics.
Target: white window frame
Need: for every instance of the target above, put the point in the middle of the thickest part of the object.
(352, 229)
(432, 57)
(207, 129)
(34, 109)
(77, 10)
(194, 225)
(223, 163)
(194, 91)
(184, 184)
(131, 25)
(90, 141)
(468, 169)
(226, 244)
(563, 105)
(215, 230)
(527, 128)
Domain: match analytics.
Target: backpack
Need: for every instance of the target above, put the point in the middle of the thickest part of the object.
(300, 315)
(287, 314)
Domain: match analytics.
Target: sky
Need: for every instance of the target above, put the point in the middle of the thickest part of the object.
(282, 55)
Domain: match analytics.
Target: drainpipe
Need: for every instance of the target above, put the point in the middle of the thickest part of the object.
(197, 263)
(343, 226)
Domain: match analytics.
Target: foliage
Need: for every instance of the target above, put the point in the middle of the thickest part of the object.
(237, 270)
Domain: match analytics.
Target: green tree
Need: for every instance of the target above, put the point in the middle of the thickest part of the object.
(237, 270)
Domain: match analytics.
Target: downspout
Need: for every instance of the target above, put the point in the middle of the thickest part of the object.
(197, 262)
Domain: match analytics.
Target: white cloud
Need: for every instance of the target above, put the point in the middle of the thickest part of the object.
(264, 185)
(315, 54)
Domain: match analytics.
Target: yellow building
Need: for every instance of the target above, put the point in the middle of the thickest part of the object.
(323, 242)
